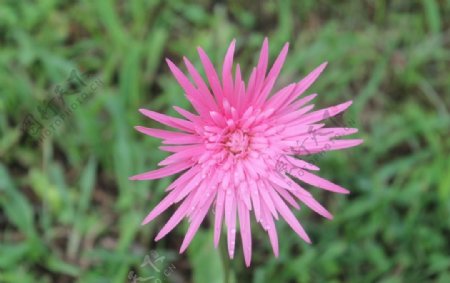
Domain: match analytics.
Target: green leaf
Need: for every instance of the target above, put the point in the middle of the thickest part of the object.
(206, 261)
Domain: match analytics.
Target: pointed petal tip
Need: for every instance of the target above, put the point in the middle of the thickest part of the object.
(140, 129)
(186, 61)
(276, 252)
(350, 131)
(231, 47)
(356, 142)
(350, 102)
(321, 67)
(313, 167)
(142, 110)
(343, 106)
(340, 190)
(169, 62)
(306, 238)
(200, 50)
(182, 248)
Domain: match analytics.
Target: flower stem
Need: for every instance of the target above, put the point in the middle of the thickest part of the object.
(225, 261)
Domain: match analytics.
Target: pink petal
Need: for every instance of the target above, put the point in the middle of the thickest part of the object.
(314, 205)
(175, 219)
(195, 224)
(183, 140)
(279, 97)
(160, 208)
(305, 83)
(191, 91)
(191, 185)
(301, 102)
(183, 155)
(245, 226)
(295, 115)
(180, 148)
(286, 196)
(169, 121)
(272, 231)
(230, 219)
(245, 195)
(311, 147)
(259, 83)
(188, 115)
(325, 113)
(289, 217)
(218, 215)
(227, 78)
(267, 199)
(278, 64)
(319, 182)
(211, 75)
(263, 58)
(251, 88)
(335, 132)
(163, 134)
(183, 178)
(202, 87)
(163, 172)
(301, 163)
(254, 194)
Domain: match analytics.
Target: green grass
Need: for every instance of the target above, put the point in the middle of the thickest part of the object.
(69, 214)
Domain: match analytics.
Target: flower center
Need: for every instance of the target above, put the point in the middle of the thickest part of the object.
(237, 142)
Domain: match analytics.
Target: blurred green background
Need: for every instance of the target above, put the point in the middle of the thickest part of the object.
(68, 212)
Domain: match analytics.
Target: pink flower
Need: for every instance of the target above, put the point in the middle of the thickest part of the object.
(235, 152)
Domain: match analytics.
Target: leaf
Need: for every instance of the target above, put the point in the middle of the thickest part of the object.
(432, 15)
(17, 208)
(206, 263)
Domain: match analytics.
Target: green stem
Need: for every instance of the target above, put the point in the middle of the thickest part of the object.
(225, 261)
